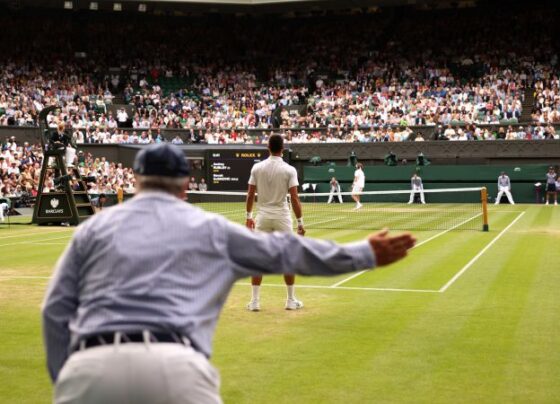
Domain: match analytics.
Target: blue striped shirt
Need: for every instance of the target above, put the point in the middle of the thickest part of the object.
(158, 263)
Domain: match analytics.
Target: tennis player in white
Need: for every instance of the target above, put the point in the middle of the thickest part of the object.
(273, 179)
(358, 184)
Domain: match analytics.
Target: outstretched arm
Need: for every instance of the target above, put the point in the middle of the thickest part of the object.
(258, 253)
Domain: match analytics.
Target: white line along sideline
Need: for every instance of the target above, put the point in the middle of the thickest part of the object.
(475, 258)
(336, 285)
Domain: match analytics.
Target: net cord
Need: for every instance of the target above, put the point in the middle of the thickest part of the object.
(364, 193)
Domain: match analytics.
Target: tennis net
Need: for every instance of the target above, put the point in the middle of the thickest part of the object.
(445, 209)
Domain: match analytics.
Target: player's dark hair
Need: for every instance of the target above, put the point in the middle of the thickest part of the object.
(275, 143)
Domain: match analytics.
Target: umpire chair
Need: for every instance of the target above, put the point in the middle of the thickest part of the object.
(69, 201)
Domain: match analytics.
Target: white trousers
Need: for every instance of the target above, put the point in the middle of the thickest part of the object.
(504, 190)
(139, 373)
(3, 208)
(331, 195)
(414, 191)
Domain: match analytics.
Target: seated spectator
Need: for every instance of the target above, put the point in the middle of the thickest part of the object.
(193, 185)
(177, 140)
(202, 186)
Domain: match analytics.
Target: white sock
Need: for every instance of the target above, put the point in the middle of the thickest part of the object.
(255, 292)
(291, 291)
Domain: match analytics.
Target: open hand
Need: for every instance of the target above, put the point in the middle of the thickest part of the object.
(389, 249)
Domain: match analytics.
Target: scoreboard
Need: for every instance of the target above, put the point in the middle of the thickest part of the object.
(229, 169)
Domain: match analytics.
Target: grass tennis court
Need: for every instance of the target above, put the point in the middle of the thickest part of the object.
(469, 316)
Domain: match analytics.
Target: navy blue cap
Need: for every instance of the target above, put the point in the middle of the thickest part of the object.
(161, 159)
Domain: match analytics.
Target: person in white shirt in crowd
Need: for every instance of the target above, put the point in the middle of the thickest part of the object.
(358, 185)
(122, 117)
(504, 187)
(417, 187)
(335, 190)
(177, 140)
(273, 179)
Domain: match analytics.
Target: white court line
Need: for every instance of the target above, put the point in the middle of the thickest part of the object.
(39, 243)
(336, 285)
(35, 233)
(345, 288)
(26, 242)
(475, 258)
(311, 224)
(8, 277)
(241, 212)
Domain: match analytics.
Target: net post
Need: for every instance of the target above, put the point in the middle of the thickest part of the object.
(484, 200)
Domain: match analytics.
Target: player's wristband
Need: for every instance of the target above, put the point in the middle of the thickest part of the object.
(249, 215)
(300, 221)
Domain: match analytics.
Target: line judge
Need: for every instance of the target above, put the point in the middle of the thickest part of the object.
(133, 320)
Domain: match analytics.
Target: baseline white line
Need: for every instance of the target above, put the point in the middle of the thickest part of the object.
(336, 285)
(36, 233)
(477, 256)
(345, 288)
(27, 242)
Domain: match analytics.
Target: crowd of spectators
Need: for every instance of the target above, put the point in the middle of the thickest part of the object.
(474, 132)
(20, 168)
(547, 100)
(364, 78)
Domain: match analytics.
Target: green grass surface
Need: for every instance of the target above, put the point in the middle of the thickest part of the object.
(397, 334)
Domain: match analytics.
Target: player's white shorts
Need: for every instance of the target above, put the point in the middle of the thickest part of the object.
(357, 189)
(269, 225)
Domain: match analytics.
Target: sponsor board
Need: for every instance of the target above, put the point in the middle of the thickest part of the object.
(54, 206)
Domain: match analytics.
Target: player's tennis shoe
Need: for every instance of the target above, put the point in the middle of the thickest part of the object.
(254, 305)
(358, 206)
(293, 304)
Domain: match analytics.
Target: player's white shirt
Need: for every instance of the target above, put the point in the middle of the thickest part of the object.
(273, 178)
(360, 178)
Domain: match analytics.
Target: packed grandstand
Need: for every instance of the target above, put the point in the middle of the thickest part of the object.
(373, 77)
